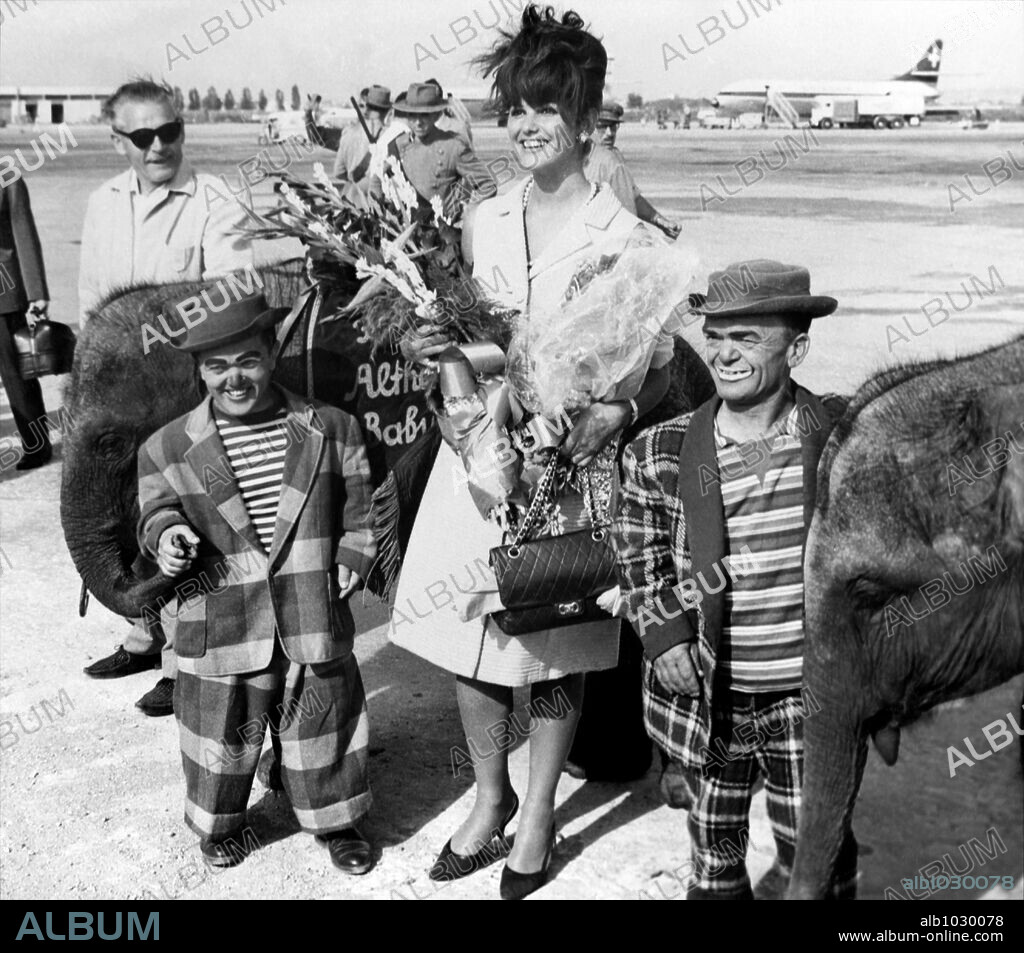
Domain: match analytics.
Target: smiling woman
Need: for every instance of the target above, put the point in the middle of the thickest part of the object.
(544, 234)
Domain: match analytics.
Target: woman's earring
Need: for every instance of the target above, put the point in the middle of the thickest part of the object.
(584, 136)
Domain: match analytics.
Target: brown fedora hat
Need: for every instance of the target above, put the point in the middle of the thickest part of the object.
(611, 113)
(422, 98)
(202, 327)
(378, 97)
(761, 286)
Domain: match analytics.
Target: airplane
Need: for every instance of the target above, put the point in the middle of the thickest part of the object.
(749, 95)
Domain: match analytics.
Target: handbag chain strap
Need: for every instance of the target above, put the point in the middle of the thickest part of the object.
(588, 498)
(541, 502)
(543, 498)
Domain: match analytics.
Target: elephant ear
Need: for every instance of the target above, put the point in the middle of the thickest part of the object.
(1006, 427)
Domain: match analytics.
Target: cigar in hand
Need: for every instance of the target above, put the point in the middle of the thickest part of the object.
(186, 549)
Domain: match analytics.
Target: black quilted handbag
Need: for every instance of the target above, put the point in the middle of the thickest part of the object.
(553, 581)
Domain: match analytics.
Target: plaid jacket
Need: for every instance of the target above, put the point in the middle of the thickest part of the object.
(225, 611)
(670, 528)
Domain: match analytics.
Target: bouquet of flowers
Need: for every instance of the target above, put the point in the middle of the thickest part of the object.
(404, 251)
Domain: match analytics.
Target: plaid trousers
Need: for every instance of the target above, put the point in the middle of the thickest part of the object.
(719, 819)
(319, 729)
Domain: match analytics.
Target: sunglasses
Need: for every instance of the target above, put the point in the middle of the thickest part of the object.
(143, 138)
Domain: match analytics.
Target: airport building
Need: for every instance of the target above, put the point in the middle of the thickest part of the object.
(51, 104)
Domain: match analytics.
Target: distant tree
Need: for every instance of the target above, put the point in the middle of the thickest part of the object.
(179, 100)
(229, 100)
(194, 102)
(634, 101)
(279, 96)
(296, 98)
(211, 101)
(246, 102)
(262, 101)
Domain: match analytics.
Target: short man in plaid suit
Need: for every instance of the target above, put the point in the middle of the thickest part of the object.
(713, 515)
(250, 501)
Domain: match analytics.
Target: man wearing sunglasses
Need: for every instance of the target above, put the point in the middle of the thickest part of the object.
(153, 224)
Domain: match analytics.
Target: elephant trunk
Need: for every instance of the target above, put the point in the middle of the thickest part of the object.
(835, 750)
(100, 560)
(99, 538)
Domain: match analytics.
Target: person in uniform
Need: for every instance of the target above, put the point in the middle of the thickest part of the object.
(435, 162)
(259, 502)
(156, 223)
(604, 163)
(456, 117)
(352, 163)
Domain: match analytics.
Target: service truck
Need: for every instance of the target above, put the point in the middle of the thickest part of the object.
(879, 112)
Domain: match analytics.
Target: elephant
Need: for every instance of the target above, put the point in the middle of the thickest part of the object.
(914, 573)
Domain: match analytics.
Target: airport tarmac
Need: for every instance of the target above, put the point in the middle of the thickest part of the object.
(91, 790)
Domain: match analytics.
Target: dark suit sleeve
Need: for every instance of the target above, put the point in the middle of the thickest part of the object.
(26, 242)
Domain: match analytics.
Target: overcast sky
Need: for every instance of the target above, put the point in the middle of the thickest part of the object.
(336, 46)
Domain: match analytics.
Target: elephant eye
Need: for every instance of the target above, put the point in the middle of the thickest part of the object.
(869, 593)
(112, 445)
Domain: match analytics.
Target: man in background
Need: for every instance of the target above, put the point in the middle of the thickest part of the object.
(352, 163)
(153, 224)
(456, 117)
(22, 292)
(604, 163)
(435, 162)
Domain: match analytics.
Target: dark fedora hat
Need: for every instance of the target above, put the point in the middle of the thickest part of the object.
(610, 113)
(761, 286)
(378, 97)
(204, 328)
(422, 98)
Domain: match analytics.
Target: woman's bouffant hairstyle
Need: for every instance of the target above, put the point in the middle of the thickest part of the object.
(547, 61)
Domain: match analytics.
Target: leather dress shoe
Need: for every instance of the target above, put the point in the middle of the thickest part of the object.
(451, 866)
(350, 851)
(29, 461)
(159, 700)
(224, 851)
(516, 886)
(121, 663)
(268, 771)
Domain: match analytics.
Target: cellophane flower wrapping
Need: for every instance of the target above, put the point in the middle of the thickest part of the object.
(476, 427)
(599, 344)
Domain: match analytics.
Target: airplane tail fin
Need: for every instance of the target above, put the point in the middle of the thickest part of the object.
(926, 70)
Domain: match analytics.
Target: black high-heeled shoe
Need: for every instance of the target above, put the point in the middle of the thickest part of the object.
(516, 886)
(451, 866)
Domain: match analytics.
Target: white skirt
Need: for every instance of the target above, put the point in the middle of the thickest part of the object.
(447, 557)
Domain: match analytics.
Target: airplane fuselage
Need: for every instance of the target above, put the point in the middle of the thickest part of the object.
(748, 95)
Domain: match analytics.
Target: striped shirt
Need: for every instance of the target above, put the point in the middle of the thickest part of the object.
(255, 446)
(763, 501)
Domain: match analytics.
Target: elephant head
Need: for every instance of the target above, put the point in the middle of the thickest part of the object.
(914, 573)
